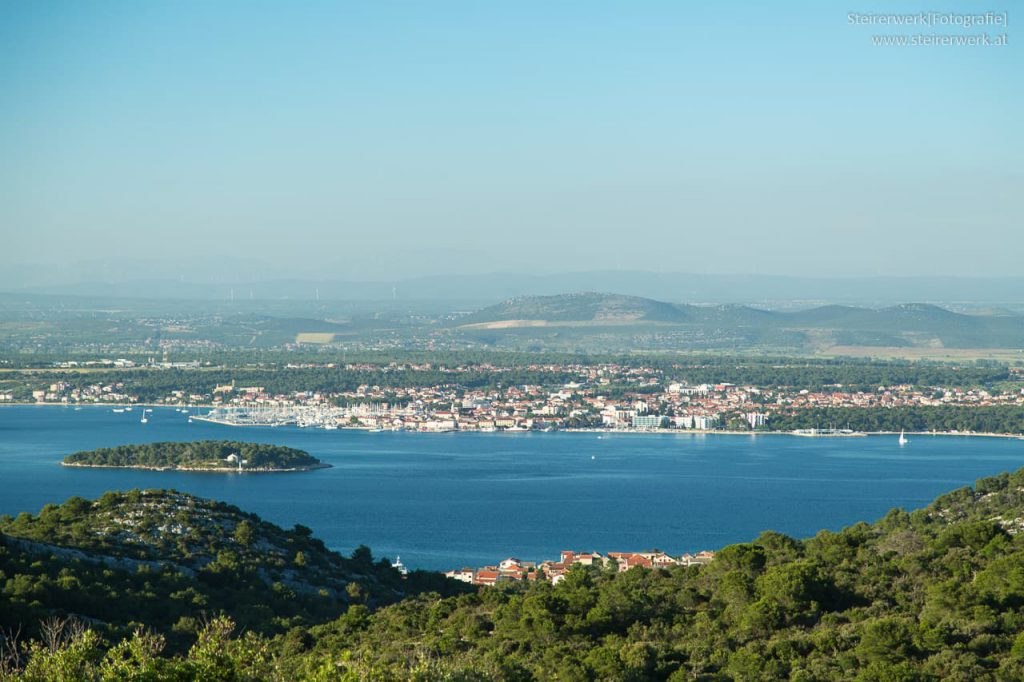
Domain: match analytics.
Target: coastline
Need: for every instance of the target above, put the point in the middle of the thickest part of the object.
(662, 432)
(598, 430)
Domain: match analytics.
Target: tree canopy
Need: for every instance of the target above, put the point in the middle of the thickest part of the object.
(203, 454)
(933, 594)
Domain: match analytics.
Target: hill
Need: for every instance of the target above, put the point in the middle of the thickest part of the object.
(583, 307)
(583, 322)
(584, 310)
(934, 594)
(205, 455)
(722, 326)
(171, 560)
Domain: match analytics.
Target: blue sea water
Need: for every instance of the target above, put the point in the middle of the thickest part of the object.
(448, 500)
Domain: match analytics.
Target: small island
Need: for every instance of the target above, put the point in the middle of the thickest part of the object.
(224, 456)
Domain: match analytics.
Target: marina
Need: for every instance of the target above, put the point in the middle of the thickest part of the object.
(828, 433)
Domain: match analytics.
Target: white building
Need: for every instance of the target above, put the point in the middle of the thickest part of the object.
(756, 419)
(465, 575)
(705, 421)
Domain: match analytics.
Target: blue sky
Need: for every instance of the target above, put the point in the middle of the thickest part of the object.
(379, 139)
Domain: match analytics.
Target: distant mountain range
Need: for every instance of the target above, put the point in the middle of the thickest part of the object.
(243, 283)
(580, 322)
(908, 324)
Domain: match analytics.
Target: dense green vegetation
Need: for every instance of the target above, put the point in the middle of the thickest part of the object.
(151, 385)
(203, 454)
(843, 375)
(935, 594)
(477, 370)
(171, 561)
(942, 418)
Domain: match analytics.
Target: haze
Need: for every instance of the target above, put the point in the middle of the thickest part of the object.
(382, 140)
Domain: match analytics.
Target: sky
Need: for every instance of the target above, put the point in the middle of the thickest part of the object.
(375, 140)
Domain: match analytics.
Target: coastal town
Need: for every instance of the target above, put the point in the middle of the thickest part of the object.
(516, 570)
(561, 397)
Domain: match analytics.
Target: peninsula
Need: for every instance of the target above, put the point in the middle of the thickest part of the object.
(206, 455)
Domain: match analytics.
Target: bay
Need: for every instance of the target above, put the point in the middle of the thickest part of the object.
(463, 499)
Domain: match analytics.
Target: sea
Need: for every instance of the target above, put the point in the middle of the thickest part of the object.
(448, 500)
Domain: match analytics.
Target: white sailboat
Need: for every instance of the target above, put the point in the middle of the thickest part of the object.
(903, 439)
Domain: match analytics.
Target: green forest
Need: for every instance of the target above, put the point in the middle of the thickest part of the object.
(204, 454)
(941, 418)
(932, 594)
(169, 561)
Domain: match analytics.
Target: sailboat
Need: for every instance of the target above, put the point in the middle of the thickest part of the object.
(144, 419)
(903, 439)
